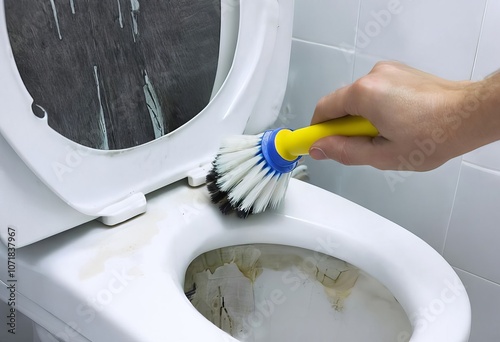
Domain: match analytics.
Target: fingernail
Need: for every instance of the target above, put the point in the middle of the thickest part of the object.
(317, 153)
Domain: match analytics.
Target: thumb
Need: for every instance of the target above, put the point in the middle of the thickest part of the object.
(350, 150)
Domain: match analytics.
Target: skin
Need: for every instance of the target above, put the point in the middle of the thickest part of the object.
(423, 120)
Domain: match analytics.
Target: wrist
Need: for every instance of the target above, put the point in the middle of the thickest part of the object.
(482, 100)
(471, 115)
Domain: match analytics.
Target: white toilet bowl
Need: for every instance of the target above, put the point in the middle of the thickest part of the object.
(126, 283)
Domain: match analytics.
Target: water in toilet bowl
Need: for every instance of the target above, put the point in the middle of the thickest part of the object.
(280, 293)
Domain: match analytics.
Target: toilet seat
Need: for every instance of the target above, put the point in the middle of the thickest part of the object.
(65, 168)
(134, 273)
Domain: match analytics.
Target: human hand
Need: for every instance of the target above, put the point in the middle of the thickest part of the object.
(423, 120)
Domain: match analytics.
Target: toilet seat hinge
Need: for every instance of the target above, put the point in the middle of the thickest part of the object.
(125, 209)
(197, 176)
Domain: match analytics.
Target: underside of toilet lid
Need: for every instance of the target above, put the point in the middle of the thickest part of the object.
(104, 183)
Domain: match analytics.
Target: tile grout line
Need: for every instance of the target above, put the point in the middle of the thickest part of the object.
(477, 276)
(338, 48)
(474, 63)
(356, 29)
(452, 207)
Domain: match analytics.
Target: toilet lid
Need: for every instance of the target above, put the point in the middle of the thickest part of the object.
(112, 183)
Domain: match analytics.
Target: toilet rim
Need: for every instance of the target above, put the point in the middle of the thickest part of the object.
(426, 286)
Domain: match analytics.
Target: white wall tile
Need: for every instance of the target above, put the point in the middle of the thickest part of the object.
(326, 21)
(488, 52)
(315, 71)
(488, 61)
(474, 231)
(485, 303)
(437, 36)
(487, 156)
(363, 64)
(419, 201)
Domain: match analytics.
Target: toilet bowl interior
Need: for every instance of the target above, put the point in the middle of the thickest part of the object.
(264, 292)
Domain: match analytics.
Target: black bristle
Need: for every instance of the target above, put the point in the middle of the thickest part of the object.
(213, 187)
(221, 197)
(243, 214)
(226, 208)
(218, 196)
(211, 176)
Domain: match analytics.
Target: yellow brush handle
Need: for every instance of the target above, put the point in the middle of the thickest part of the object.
(291, 144)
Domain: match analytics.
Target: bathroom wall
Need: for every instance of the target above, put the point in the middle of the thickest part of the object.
(455, 208)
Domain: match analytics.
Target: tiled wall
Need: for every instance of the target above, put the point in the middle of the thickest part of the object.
(455, 208)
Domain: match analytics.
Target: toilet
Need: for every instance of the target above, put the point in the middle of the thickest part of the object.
(96, 243)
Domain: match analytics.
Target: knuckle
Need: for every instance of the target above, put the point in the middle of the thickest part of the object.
(363, 86)
(385, 66)
(322, 103)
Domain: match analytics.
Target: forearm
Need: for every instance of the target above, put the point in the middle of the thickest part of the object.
(485, 95)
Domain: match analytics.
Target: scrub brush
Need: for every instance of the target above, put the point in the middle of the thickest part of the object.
(251, 172)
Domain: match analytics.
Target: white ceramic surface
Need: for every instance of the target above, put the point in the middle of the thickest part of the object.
(474, 231)
(437, 36)
(327, 22)
(126, 283)
(487, 156)
(485, 301)
(486, 63)
(489, 45)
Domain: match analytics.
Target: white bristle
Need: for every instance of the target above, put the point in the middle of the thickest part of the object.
(280, 190)
(254, 192)
(239, 143)
(228, 161)
(247, 183)
(231, 177)
(258, 199)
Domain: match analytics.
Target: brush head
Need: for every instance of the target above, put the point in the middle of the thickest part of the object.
(248, 174)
